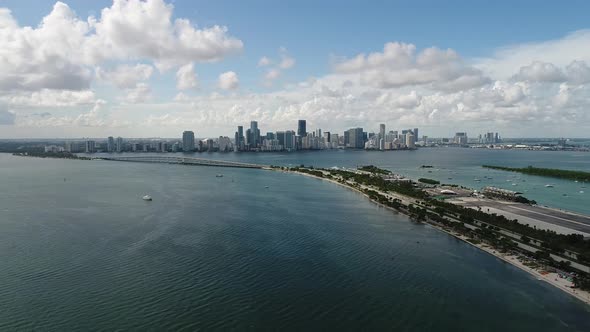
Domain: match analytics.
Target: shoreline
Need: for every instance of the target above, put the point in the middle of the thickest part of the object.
(550, 278)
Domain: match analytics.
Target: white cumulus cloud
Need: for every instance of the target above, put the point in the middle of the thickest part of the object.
(186, 78)
(228, 80)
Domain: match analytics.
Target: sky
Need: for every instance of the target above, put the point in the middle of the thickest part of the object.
(154, 68)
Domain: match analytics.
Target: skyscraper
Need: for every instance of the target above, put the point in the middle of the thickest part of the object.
(410, 140)
(90, 147)
(355, 138)
(460, 138)
(289, 140)
(301, 128)
(119, 144)
(382, 131)
(239, 139)
(188, 141)
(416, 137)
(281, 138)
(255, 133)
(110, 144)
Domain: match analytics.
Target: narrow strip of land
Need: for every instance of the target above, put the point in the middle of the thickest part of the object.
(549, 172)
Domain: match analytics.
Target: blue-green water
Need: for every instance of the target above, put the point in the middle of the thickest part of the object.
(227, 253)
(462, 165)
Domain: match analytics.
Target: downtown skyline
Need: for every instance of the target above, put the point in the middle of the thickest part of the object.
(76, 69)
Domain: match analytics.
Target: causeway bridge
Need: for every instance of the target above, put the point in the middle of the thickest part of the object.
(183, 161)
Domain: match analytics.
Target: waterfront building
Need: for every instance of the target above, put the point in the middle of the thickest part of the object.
(255, 134)
(410, 142)
(188, 141)
(119, 144)
(239, 139)
(302, 128)
(415, 133)
(460, 138)
(355, 138)
(53, 148)
(334, 141)
(175, 147)
(74, 147)
(224, 144)
(90, 147)
(271, 144)
(281, 138)
(110, 144)
(289, 140)
(382, 131)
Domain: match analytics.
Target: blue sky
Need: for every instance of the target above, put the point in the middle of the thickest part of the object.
(320, 35)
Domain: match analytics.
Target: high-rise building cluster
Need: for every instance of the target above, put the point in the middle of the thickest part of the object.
(251, 139)
(489, 138)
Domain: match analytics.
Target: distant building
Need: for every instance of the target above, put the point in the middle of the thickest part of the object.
(188, 141)
(460, 138)
(119, 144)
(110, 144)
(255, 133)
(90, 147)
(54, 148)
(301, 128)
(355, 138)
(334, 141)
(239, 139)
(289, 140)
(410, 140)
(224, 144)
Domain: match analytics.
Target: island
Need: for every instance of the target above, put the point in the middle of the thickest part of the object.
(549, 172)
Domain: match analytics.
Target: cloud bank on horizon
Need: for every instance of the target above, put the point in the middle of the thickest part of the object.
(98, 76)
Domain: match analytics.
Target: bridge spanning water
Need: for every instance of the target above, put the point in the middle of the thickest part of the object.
(184, 161)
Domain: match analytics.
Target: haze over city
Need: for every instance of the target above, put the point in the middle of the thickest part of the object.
(155, 68)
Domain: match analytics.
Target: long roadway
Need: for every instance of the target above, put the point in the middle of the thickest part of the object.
(559, 218)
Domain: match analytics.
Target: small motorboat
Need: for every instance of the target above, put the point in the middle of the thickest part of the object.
(549, 186)
(219, 175)
(147, 198)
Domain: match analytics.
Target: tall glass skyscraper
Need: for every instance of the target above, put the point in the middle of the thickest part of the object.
(302, 128)
(188, 141)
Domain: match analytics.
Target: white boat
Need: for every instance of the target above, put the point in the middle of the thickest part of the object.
(147, 198)
(219, 175)
(514, 184)
(549, 185)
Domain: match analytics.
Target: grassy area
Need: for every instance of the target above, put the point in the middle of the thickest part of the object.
(374, 169)
(57, 155)
(550, 172)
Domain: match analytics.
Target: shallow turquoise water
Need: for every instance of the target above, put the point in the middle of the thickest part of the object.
(227, 253)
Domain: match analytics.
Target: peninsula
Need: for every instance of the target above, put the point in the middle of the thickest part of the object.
(562, 260)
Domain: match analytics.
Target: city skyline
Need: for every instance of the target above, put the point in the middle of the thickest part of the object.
(153, 68)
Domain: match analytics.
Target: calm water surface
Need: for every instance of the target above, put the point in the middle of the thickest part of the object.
(227, 253)
(454, 165)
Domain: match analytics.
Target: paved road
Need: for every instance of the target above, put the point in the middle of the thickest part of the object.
(568, 220)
